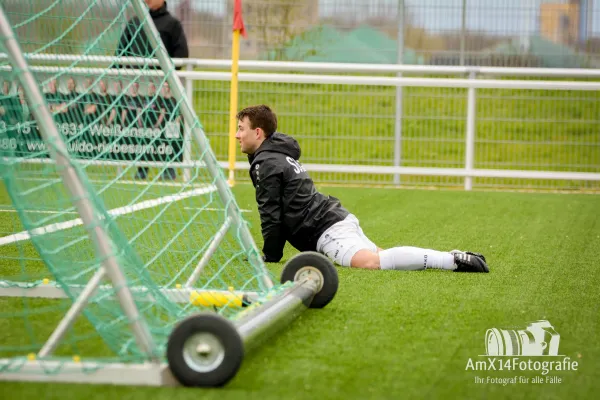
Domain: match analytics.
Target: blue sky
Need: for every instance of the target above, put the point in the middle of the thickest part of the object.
(493, 16)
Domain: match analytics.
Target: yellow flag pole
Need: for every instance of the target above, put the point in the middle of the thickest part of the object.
(233, 104)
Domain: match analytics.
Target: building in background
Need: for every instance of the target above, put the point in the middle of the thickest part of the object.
(566, 22)
(559, 22)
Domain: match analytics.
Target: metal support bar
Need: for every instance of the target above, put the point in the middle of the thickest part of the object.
(187, 140)
(262, 322)
(58, 151)
(470, 137)
(463, 33)
(148, 374)
(99, 63)
(200, 137)
(52, 291)
(420, 171)
(209, 253)
(374, 80)
(119, 163)
(69, 318)
(399, 94)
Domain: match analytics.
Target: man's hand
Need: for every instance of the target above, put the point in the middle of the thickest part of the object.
(270, 259)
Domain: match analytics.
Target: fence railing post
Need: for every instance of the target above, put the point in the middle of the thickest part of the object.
(399, 95)
(470, 136)
(187, 137)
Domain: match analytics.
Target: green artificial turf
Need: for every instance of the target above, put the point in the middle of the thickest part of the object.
(394, 334)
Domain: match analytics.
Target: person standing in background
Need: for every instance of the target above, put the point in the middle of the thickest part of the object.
(134, 43)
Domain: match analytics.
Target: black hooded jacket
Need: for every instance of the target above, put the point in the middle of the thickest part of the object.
(289, 205)
(134, 42)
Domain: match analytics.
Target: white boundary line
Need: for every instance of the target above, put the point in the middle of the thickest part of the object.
(119, 182)
(17, 237)
(11, 210)
(213, 209)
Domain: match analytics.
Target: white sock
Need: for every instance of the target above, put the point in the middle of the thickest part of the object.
(415, 258)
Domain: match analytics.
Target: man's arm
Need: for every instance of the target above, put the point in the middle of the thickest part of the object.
(90, 100)
(123, 117)
(161, 106)
(268, 197)
(127, 47)
(179, 42)
(111, 116)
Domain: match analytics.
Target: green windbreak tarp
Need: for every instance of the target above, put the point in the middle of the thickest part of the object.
(328, 44)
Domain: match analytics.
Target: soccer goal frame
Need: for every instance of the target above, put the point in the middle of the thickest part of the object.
(204, 349)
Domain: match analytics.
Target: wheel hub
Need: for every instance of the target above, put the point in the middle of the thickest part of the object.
(312, 273)
(203, 352)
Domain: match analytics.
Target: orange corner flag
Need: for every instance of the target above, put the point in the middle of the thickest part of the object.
(238, 22)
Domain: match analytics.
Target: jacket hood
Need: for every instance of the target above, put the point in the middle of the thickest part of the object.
(159, 11)
(279, 143)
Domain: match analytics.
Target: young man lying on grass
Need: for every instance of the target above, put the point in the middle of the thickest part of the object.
(292, 210)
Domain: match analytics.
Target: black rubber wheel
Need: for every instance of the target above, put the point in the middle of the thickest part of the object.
(312, 262)
(204, 350)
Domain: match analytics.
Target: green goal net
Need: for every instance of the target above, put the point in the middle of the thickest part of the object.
(117, 221)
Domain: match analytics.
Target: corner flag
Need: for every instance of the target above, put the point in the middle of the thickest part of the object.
(238, 21)
(238, 28)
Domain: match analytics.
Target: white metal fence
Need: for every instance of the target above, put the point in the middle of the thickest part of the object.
(411, 125)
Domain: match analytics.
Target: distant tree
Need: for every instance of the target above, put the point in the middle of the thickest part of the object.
(275, 23)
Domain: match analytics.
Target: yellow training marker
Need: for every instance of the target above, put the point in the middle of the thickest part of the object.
(215, 298)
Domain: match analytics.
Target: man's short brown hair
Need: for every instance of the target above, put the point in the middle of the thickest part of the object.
(260, 116)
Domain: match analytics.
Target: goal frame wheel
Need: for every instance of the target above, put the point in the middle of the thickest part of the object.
(313, 265)
(204, 350)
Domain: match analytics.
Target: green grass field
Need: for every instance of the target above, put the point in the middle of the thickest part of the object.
(392, 334)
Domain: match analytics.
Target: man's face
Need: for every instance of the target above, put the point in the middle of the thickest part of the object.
(102, 86)
(166, 89)
(71, 84)
(134, 88)
(151, 89)
(249, 138)
(52, 86)
(154, 4)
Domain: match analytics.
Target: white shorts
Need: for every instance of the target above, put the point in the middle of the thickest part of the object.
(343, 240)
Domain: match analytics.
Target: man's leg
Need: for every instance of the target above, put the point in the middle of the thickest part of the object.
(347, 245)
(142, 173)
(169, 174)
(414, 258)
(403, 258)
